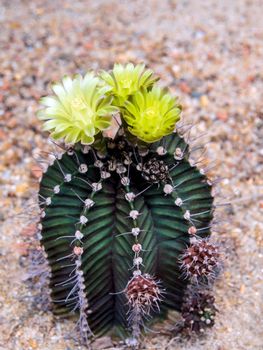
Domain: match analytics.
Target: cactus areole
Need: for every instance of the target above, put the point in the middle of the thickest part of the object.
(121, 206)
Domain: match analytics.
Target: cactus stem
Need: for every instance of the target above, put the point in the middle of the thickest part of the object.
(87, 236)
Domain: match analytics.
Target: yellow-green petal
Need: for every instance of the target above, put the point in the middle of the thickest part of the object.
(150, 115)
(78, 111)
(125, 80)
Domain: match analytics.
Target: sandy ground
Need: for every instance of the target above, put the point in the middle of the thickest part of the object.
(210, 54)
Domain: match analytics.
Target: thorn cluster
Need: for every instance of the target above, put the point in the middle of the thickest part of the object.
(143, 293)
(155, 170)
(200, 259)
(198, 312)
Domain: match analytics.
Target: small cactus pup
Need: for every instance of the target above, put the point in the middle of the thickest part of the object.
(125, 215)
(198, 312)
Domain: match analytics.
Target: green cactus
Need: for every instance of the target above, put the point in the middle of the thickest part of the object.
(116, 218)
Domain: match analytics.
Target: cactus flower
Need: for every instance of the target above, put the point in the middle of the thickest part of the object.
(78, 111)
(124, 81)
(150, 115)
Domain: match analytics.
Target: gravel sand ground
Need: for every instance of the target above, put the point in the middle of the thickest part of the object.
(210, 54)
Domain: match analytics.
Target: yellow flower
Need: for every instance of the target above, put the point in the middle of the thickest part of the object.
(78, 111)
(124, 81)
(150, 115)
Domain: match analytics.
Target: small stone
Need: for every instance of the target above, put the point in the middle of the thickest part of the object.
(223, 116)
(22, 190)
(29, 231)
(204, 101)
(103, 343)
(22, 248)
(36, 171)
(33, 344)
(184, 87)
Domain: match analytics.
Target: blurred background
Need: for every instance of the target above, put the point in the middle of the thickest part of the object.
(210, 54)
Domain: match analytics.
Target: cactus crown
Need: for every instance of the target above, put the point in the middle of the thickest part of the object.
(119, 215)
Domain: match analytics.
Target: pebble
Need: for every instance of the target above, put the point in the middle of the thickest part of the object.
(223, 116)
(204, 101)
(21, 190)
(184, 87)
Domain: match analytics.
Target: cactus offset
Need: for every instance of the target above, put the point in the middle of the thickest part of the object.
(116, 219)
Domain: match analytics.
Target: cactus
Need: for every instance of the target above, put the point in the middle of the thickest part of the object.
(119, 214)
(198, 312)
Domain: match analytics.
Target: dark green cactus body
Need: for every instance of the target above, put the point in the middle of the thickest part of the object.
(165, 221)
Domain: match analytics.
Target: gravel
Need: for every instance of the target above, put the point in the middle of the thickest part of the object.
(210, 54)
